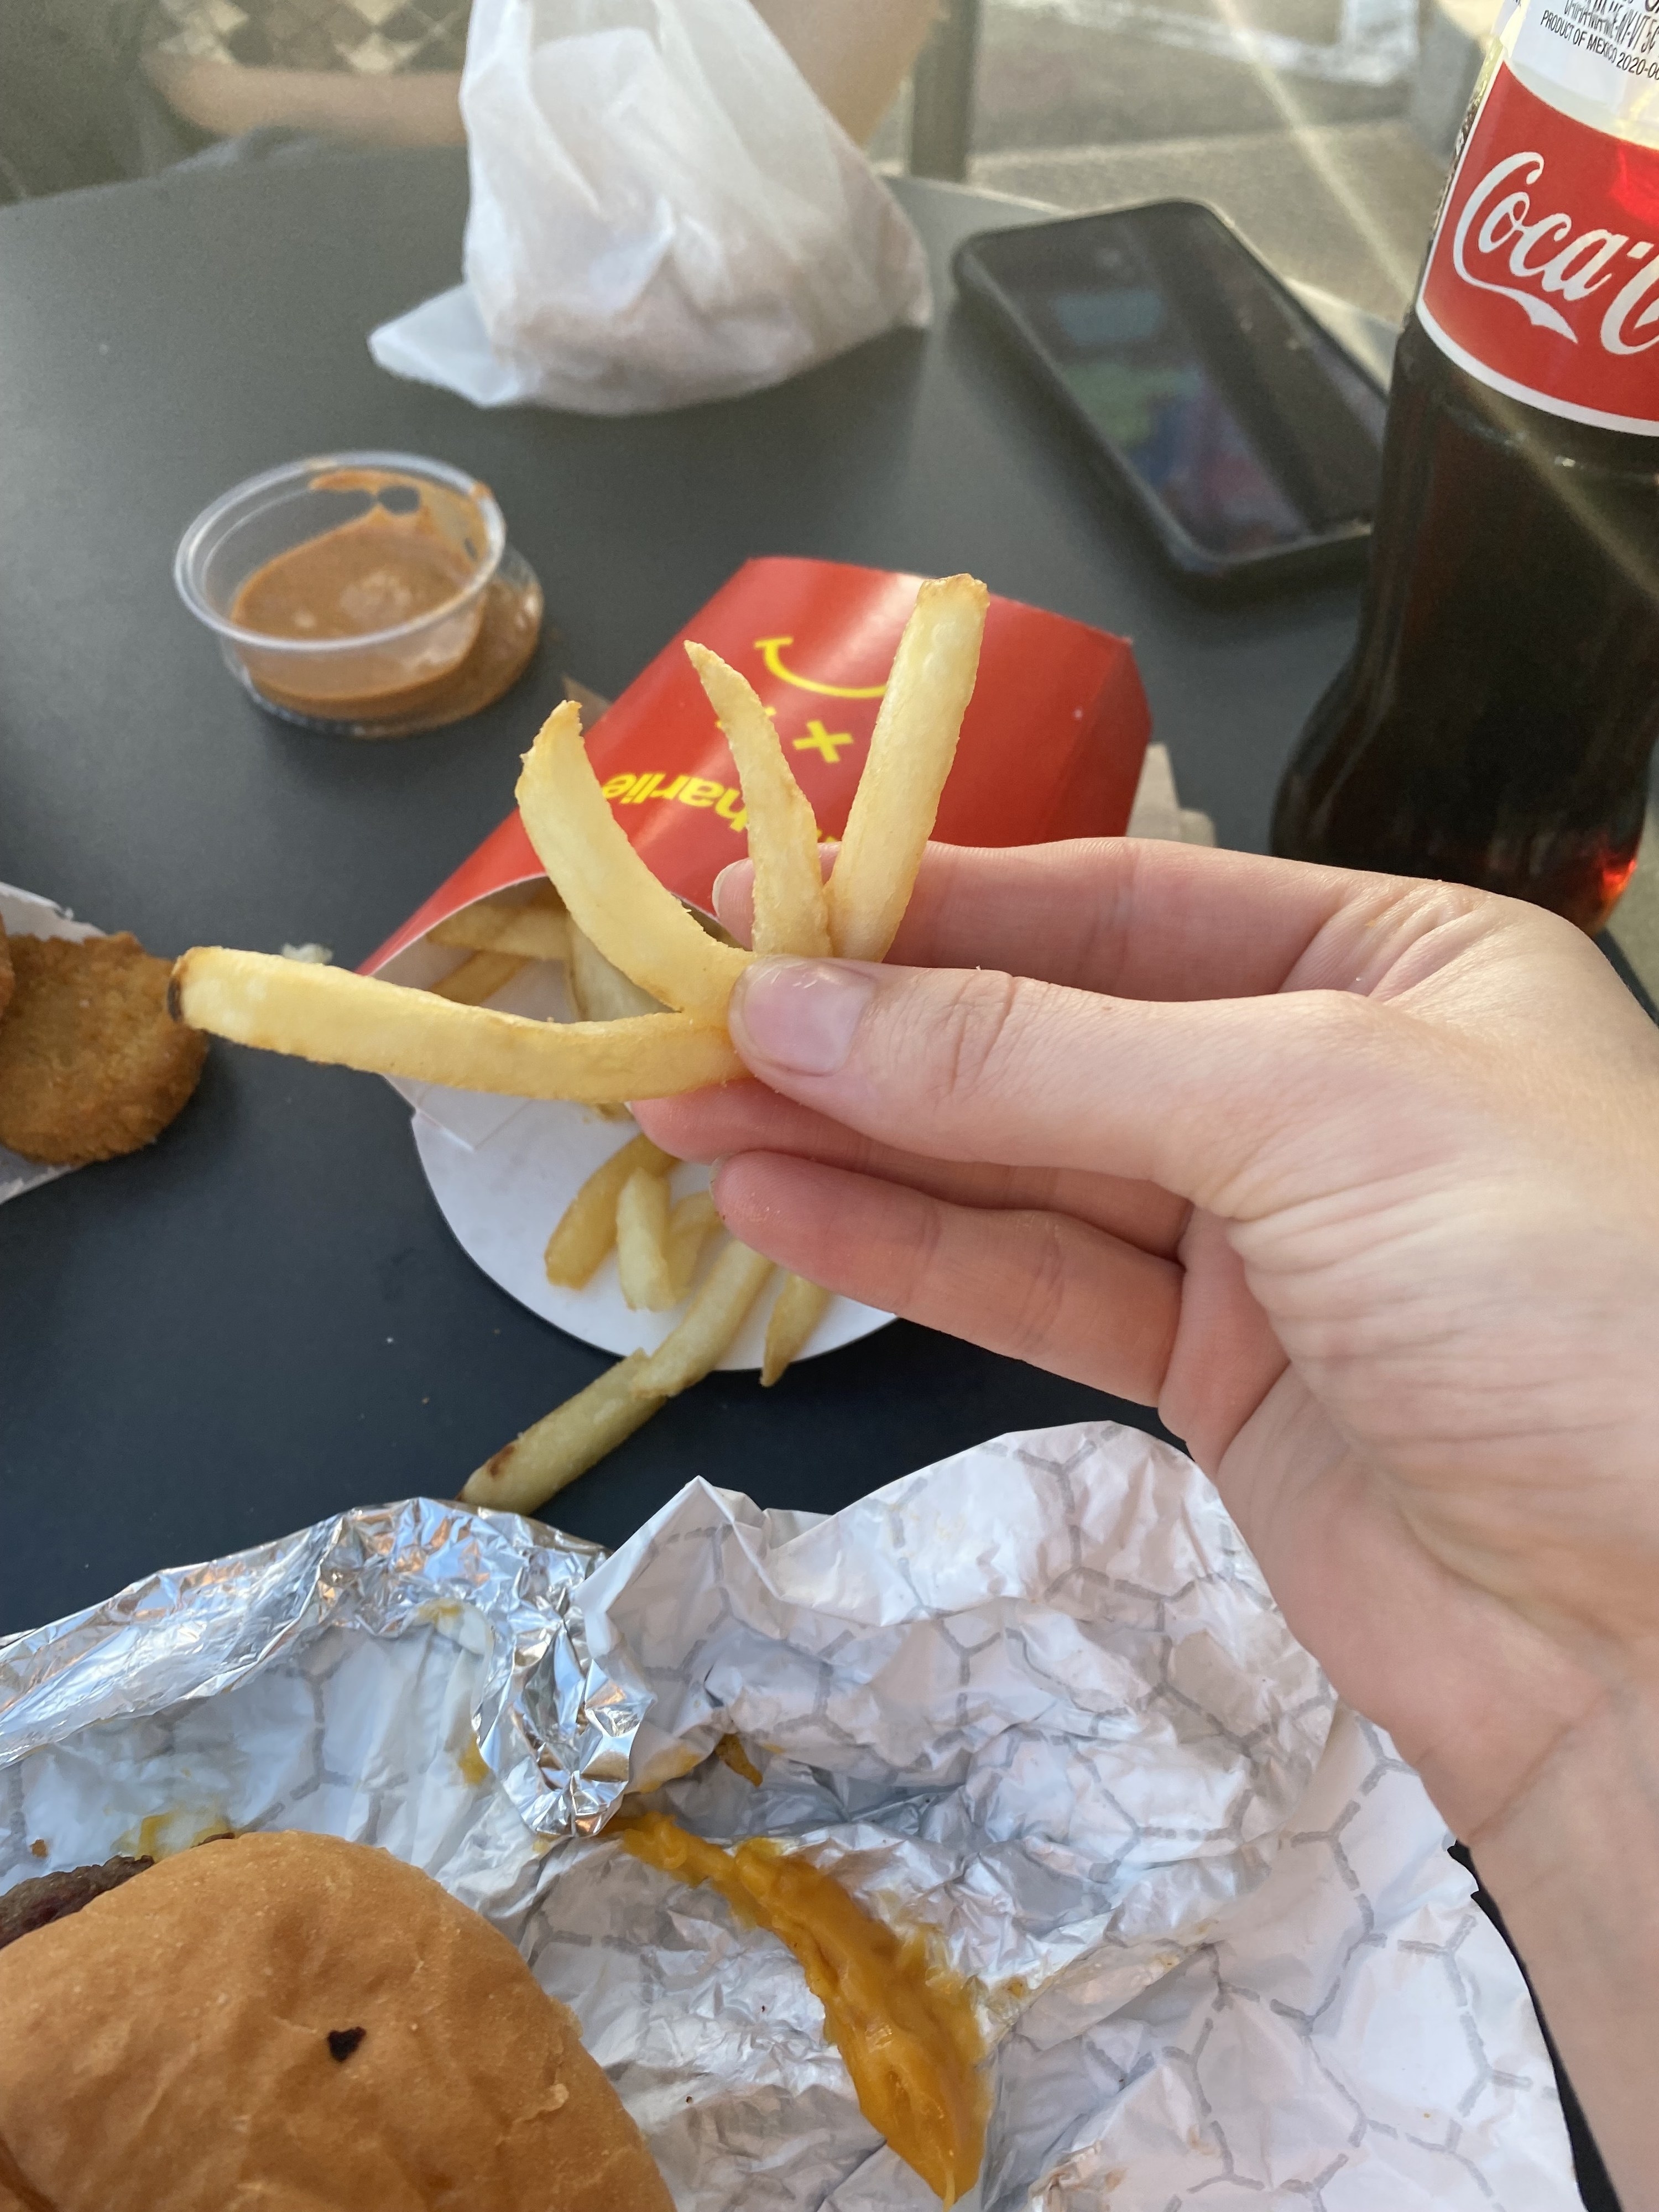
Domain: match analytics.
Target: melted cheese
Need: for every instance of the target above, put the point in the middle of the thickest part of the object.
(906, 2028)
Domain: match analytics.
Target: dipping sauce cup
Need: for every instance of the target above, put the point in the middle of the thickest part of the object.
(347, 592)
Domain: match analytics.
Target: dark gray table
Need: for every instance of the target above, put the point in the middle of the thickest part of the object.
(264, 1318)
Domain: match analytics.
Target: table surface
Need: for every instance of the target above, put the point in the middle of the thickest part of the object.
(264, 1318)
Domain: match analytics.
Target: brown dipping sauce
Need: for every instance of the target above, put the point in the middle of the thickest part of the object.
(379, 571)
(374, 573)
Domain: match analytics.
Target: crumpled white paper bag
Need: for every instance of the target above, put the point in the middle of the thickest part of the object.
(663, 211)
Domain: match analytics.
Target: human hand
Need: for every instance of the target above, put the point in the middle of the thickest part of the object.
(1356, 1179)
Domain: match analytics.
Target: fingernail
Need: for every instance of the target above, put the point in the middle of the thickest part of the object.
(730, 869)
(801, 1015)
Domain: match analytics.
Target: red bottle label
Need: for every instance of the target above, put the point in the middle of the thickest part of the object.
(1543, 279)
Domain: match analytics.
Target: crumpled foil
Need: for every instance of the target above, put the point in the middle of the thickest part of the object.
(1036, 1697)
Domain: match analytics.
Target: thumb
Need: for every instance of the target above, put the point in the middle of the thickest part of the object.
(967, 1064)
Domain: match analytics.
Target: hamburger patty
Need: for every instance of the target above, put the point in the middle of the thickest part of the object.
(48, 1897)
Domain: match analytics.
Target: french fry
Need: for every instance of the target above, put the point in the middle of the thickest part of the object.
(643, 1266)
(712, 1320)
(690, 1225)
(536, 929)
(636, 921)
(478, 977)
(564, 1444)
(329, 1014)
(911, 750)
(790, 912)
(587, 1227)
(797, 1311)
(600, 992)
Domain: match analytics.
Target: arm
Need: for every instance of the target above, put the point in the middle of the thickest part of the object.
(855, 54)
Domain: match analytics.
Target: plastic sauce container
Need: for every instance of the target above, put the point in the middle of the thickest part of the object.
(353, 592)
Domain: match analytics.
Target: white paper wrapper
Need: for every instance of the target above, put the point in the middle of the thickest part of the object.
(25, 915)
(1036, 1697)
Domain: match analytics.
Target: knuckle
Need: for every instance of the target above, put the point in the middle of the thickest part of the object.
(971, 1019)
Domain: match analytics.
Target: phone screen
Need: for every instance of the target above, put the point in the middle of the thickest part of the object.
(1238, 415)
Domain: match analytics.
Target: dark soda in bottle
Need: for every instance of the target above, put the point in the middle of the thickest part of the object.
(1496, 721)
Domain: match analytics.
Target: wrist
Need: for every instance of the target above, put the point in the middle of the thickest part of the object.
(1572, 1863)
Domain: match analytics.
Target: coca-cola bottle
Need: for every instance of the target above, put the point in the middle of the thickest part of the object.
(1495, 722)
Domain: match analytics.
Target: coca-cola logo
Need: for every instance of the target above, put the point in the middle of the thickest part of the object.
(1497, 234)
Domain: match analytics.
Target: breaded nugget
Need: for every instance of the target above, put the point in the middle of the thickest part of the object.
(92, 1063)
(5, 969)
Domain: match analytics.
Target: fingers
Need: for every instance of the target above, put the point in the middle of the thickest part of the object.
(977, 1067)
(1033, 1286)
(746, 1117)
(1140, 919)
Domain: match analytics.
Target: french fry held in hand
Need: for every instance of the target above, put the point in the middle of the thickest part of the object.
(635, 920)
(797, 1310)
(911, 750)
(587, 1227)
(791, 914)
(331, 1015)
(564, 1444)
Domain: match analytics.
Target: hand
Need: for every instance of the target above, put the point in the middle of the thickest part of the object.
(1357, 1180)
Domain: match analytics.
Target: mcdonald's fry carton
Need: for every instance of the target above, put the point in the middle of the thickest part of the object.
(1051, 746)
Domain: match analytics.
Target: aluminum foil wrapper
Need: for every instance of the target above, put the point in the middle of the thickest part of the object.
(1036, 1698)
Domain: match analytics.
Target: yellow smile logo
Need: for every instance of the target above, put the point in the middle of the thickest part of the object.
(771, 651)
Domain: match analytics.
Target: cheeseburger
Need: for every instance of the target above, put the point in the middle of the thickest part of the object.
(290, 2023)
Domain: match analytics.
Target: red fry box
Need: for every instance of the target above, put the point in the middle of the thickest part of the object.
(1051, 746)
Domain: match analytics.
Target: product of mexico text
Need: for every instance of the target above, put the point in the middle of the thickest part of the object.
(1051, 746)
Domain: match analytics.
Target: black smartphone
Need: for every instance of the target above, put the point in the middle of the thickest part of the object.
(1238, 429)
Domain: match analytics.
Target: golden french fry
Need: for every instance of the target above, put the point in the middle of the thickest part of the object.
(564, 1444)
(478, 977)
(587, 1227)
(911, 750)
(536, 929)
(799, 1308)
(331, 1015)
(790, 913)
(690, 1224)
(713, 1317)
(636, 921)
(642, 1262)
(600, 992)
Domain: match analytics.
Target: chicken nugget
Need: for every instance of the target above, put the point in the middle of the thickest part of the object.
(5, 970)
(92, 1063)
